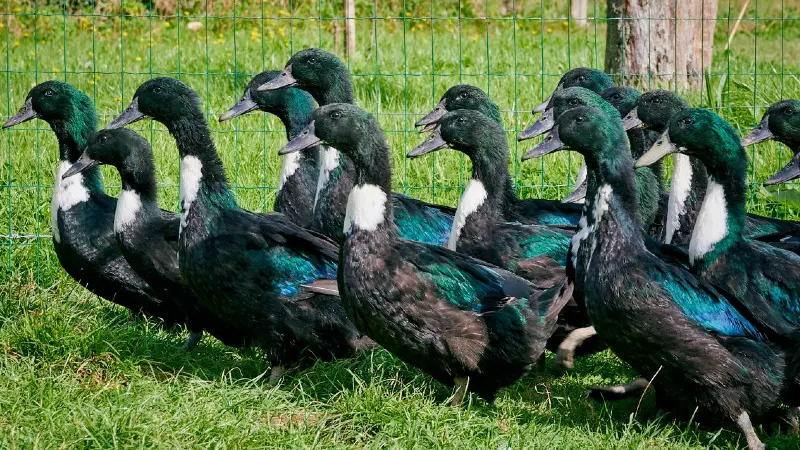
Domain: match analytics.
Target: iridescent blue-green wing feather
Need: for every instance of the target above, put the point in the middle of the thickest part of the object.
(422, 222)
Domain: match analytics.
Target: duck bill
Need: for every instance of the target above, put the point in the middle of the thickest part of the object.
(129, 116)
(285, 79)
(789, 172)
(578, 194)
(243, 106)
(658, 151)
(24, 114)
(307, 138)
(760, 133)
(83, 163)
(632, 121)
(428, 123)
(551, 143)
(541, 107)
(432, 144)
(544, 124)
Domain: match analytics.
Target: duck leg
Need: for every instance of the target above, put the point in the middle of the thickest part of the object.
(619, 392)
(276, 373)
(753, 442)
(194, 339)
(793, 417)
(566, 350)
(461, 389)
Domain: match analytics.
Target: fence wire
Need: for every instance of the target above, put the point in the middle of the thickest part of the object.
(408, 52)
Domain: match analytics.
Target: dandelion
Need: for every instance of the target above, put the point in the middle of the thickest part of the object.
(16, 43)
(475, 37)
(91, 82)
(549, 30)
(91, 54)
(25, 34)
(186, 13)
(55, 69)
(166, 24)
(282, 31)
(33, 53)
(565, 23)
(118, 100)
(138, 58)
(283, 12)
(125, 34)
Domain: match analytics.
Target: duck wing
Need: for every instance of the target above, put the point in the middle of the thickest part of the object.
(420, 221)
(546, 212)
(704, 304)
(765, 280)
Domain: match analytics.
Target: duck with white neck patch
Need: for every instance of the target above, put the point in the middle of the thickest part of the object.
(247, 268)
(297, 187)
(82, 215)
(146, 234)
(703, 357)
(327, 79)
(464, 322)
(763, 278)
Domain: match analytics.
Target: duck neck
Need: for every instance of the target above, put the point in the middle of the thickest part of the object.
(483, 199)
(138, 199)
(339, 88)
(141, 180)
(202, 179)
(295, 116)
(722, 215)
(612, 208)
(73, 135)
(369, 205)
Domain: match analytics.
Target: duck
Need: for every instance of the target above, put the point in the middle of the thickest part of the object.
(781, 123)
(326, 78)
(465, 322)
(480, 229)
(689, 178)
(297, 187)
(531, 211)
(763, 278)
(537, 253)
(81, 213)
(244, 266)
(146, 234)
(704, 357)
(647, 181)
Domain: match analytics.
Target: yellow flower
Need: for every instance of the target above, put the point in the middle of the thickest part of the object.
(33, 53)
(186, 13)
(125, 34)
(549, 30)
(283, 12)
(91, 54)
(16, 43)
(138, 58)
(475, 37)
(91, 82)
(565, 23)
(55, 69)
(166, 24)
(118, 100)
(282, 31)
(25, 34)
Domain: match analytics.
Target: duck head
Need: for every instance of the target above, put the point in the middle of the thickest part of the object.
(584, 129)
(342, 126)
(317, 72)
(57, 104)
(287, 104)
(460, 96)
(120, 147)
(563, 100)
(163, 99)
(592, 79)
(623, 98)
(469, 132)
(781, 122)
(653, 110)
(702, 134)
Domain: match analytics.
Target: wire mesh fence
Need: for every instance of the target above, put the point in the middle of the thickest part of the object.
(407, 53)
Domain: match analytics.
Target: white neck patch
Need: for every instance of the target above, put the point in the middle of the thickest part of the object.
(66, 194)
(585, 230)
(291, 163)
(678, 193)
(191, 174)
(472, 199)
(366, 206)
(128, 205)
(328, 162)
(712, 222)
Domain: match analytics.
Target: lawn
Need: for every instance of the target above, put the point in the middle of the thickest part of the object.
(76, 372)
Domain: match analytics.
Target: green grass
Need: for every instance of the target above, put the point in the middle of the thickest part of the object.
(75, 373)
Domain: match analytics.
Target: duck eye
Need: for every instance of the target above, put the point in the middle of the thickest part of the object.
(312, 60)
(789, 110)
(157, 90)
(657, 100)
(582, 78)
(462, 119)
(336, 114)
(103, 138)
(49, 93)
(579, 119)
(615, 96)
(686, 121)
(573, 102)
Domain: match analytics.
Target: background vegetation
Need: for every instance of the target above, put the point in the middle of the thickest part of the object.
(75, 373)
